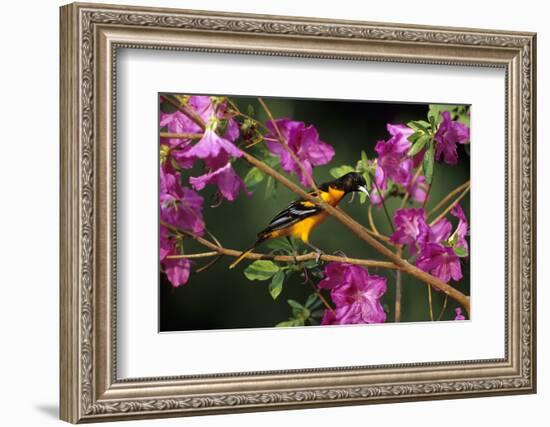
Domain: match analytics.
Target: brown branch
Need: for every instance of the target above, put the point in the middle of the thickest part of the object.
(320, 295)
(398, 291)
(445, 301)
(281, 258)
(448, 197)
(371, 220)
(217, 250)
(388, 217)
(430, 303)
(363, 234)
(181, 135)
(447, 210)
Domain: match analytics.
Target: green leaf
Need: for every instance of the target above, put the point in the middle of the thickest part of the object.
(428, 163)
(418, 145)
(276, 285)
(250, 110)
(464, 118)
(279, 245)
(290, 323)
(339, 171)
(435, 111)
(253, 177)
(298, 310)
(362, 198)
(414, 137)
(364, 159)
(310, 263)
(271, 160)
(269, 188)
(295, 304)
(460, 251)
(311, 300)
(421, 125)
(368, 180)
(453, 239)
(261, 270)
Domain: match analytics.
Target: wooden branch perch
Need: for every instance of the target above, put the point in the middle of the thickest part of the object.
(220, 250)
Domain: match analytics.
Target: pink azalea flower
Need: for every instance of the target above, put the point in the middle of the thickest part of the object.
(462, 228)
(447, 136)
(355, 293)
(439, 232)
(411, 228)
(211, 146)
(165, 245)
(459, 315)
(178, 122)
(228, 182)
(440, 261)
(305, 144)
(180, 206)
(418, 188)
(177, 270)
(393, 162)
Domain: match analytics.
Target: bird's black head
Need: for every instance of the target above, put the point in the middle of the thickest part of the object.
(351, 181)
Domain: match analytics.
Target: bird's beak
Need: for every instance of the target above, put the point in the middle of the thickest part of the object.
(363, 189)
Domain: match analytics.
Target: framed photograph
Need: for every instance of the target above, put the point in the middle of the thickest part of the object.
(266, 212)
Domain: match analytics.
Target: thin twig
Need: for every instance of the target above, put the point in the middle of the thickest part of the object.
(398, 292)
(445, 301)
(384, 204)
(371, 221)
(209, 264)
(448, 197)
(430, 304)
(320, 295)
(428, 193)
(181, 135)
(280, 258)
(374, 231)
(220, 250)
(448, 209)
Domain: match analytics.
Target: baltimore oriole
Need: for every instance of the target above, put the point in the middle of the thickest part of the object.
(302, 216)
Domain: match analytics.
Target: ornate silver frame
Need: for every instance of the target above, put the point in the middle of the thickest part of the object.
(90, 36)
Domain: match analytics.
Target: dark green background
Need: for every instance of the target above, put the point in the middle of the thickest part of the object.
(219, 298)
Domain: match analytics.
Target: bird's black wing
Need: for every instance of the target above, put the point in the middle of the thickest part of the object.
(296, 211)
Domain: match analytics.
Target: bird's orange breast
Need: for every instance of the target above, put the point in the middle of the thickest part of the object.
(302, 229)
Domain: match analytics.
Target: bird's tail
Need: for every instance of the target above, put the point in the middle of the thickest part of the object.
(243, 255)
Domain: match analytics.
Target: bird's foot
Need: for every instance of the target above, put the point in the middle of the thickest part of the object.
(340, 253)
(318, 251)
(318, 257)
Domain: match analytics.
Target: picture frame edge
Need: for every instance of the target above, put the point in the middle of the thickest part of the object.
(80, 400)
